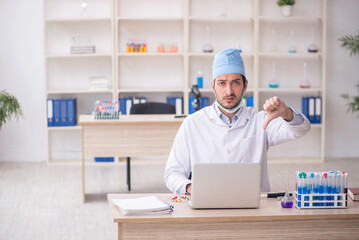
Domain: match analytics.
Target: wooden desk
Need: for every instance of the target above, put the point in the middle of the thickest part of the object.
(270, 221)
(131, 136)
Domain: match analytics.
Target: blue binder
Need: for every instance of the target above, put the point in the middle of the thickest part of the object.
(204, 102)
(318, 110)
(305, 106)
(50, 113)
(71, 112)
(63, 112)
(57, 111)
(122, 105)
(171, 100)
(104, 159)
(250, 101)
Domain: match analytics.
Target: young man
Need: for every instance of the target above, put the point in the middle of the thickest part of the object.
(227, 131)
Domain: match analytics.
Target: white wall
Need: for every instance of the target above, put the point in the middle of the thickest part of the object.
(22, 74)
(342, 129)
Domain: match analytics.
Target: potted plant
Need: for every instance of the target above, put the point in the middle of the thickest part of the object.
(9, 107)
(352, 43)
(287, 7)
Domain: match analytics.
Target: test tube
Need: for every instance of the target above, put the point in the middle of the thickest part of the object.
(310, 183)
(304, 183)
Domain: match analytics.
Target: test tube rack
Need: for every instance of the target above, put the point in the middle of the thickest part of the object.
(324, 200)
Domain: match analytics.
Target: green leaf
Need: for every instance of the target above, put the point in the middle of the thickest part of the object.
(9, 107)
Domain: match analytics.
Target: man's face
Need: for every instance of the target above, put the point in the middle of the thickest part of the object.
(229, 89)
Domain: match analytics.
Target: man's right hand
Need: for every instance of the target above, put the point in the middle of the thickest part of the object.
(188, 188)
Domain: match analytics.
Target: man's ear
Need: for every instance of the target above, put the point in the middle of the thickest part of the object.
(245, 86)
(212, 85)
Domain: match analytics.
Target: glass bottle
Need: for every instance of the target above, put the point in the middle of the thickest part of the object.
(304, 83)
(273, 83)
(273, 47)
(292, 48)
(313, 48)
(287, 201)
(207, 47)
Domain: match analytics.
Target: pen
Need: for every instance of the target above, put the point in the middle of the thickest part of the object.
(172, 207)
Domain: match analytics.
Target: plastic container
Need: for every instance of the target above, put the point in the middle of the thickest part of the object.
(199, 79)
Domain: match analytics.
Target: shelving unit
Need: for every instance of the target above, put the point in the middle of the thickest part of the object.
(183, 22)
(67, 75)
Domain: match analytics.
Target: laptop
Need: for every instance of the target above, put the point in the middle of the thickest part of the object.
(225, 185)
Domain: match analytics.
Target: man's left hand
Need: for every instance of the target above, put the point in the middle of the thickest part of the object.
(274, 108)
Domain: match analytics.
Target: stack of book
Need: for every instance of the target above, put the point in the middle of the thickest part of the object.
(353, 193)
(83, 49)
(144, 205)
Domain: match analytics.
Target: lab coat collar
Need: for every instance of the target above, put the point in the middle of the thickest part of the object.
(242, 120)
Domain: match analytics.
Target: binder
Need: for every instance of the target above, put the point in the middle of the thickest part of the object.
(204, 102)
(104, 159)
(50, 113)
(179, 105)
(311, 110)
(171, 100)
(318, 110)
(71, 112)
(63, 112)
(122, 105)
(128, 105)
(305, 106)
(250, 101)
(57, 117)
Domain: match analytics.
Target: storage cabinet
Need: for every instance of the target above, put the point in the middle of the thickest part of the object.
(253, 26)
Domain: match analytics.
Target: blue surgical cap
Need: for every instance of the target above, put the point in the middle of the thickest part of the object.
(227, 61)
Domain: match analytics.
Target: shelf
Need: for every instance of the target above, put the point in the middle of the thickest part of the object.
(290, 55)
(69, 91)
(291, 90)
(290, 19)
(317, 125)
(69, 55)
(209, 90)
(149, 19)
(150, 54)
(221, 19)
(77, 127)
(202, 54)
(143, 90)
(67, 20)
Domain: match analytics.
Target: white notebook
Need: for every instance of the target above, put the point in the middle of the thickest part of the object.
(144, 205)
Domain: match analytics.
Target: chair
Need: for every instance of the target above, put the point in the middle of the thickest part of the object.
(147, 108)
(153, 108)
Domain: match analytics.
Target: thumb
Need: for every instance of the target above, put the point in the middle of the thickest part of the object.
(267, 121)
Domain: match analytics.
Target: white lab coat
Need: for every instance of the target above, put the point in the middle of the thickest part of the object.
(204, 138)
